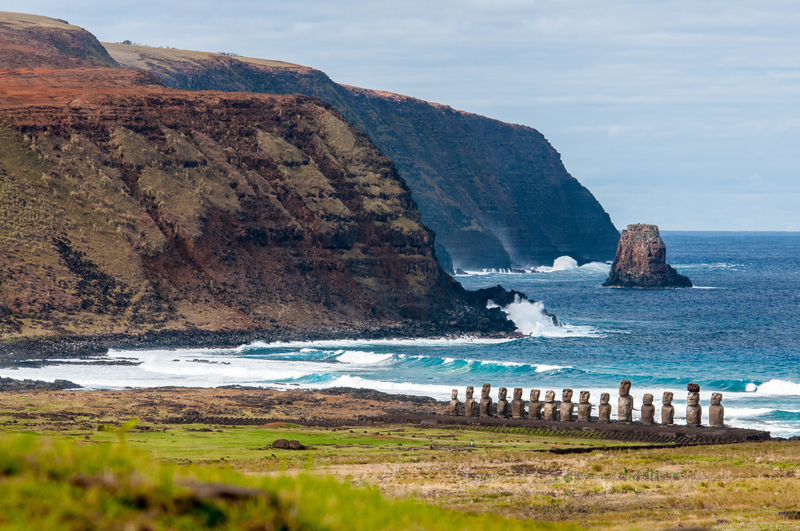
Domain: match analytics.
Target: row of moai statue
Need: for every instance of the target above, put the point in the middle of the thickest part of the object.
(565, 410)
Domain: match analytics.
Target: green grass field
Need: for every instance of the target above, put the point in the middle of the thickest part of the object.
(49, 484)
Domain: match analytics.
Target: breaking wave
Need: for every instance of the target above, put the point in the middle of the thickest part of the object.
(533, 320)
(779, 387)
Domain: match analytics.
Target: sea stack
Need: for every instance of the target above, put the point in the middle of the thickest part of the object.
(641, 261)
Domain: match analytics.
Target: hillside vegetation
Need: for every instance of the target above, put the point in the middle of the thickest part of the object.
(127, 207)
(495, 193)
(46, 485)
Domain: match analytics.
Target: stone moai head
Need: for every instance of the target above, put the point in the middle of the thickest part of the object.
(550, 396)
(502, 393)
(487, 388)
(584, 397)
(624, 388)
(454, 394)
(470, 391)
(716, 399)
(535, 395)
(518, 393)
(604, 398)
(648, 399)
(667, 398)
(694, 399)
(566, 395)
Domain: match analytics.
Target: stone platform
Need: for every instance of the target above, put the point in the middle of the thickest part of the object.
(618, 431)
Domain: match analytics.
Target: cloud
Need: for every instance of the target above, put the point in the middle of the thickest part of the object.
(633, 94)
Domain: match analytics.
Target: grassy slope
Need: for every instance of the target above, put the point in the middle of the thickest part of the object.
(58, 485)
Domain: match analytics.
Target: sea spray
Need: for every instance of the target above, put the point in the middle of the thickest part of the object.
(530, 316)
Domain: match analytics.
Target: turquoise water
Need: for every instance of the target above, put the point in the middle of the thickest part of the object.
(737, 332)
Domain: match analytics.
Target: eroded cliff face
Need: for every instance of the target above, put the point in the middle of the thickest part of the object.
(36, 41)
(494, 193)
(641, 261)
(126, 207)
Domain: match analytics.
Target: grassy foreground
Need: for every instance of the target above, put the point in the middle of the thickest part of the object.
(428, 475)
(47, 484)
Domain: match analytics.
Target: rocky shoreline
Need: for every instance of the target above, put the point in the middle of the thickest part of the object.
(19, 350)
(10, 385)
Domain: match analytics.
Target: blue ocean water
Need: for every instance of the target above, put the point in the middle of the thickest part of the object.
(737, 332)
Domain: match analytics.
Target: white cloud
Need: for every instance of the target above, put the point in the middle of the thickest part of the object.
(633, 94)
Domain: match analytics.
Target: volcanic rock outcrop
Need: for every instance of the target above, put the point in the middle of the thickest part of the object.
(127, 207)
(495, 193)
(641, 261)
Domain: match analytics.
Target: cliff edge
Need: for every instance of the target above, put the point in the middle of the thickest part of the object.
(496, 194)
(128, 208)
(641, 261)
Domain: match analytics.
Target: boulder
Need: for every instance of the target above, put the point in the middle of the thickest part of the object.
(641, 261)
(284, 444)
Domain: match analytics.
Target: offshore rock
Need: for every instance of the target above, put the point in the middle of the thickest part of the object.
(641, 261)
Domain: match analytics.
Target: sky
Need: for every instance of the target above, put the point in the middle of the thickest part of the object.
(681, 113)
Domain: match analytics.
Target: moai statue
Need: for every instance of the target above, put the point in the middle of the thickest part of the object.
(625, 411)
(604, 411)
(694, 411)
(535, 407)
(550, 406)
(716, 412)
(486, 401)
(667, 409)
(566, 405)
(518, 404)
(648, 409)
(584, 408)
(502, 403)
(469, 405)
(455, 405)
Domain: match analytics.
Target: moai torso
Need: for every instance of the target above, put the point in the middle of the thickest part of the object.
(625, 405)
(566, 405)
(455, 405)
(535, 407)
(694, 411)
(667, 409)
(469, 405)
(648, 409)
(550, 406)
(502, 403)
(584, 408)
(716, 413)
(486, 401)
(518, 404)
(604, 410)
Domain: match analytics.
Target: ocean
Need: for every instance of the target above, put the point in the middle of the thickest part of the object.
(737, 332)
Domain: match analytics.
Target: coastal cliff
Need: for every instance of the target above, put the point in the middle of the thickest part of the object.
(641, 261)
(496, 194)
(130, 208)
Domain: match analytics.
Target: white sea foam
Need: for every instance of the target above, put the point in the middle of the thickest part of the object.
(359, 343)
(779, 387)
(357, 357)
(548, 368)
(746, 412)
(436, 391)
(531, 320)
(567, 263)
(750, 387)
(562, 263)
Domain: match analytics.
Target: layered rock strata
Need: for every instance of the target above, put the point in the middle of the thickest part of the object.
(641, 261)
(127, 208)
(494, 193)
